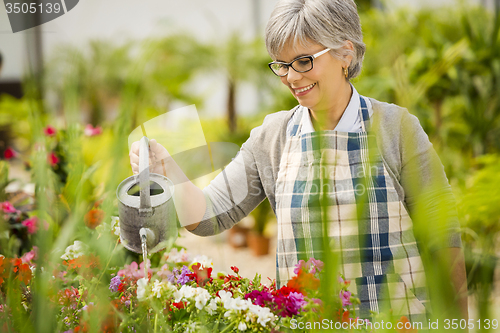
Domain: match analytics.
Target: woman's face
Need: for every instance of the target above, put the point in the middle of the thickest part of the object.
(321, 88)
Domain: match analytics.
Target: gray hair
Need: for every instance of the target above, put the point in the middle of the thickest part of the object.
(326, 22)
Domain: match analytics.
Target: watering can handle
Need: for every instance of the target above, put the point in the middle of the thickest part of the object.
(145, 207)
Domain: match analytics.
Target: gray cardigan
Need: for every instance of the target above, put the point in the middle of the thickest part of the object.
(406, 151)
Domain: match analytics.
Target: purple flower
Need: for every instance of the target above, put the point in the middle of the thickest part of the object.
(259, 297)
(311, 266)
(345, 297)
(315, 265)
(114, 284)
(127, 303)
(182, 279)
(171, 277)
(300, 265)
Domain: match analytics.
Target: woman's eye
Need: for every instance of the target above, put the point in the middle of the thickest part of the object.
(303, 63)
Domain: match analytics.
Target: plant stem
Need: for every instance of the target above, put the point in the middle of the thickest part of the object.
(228, 328)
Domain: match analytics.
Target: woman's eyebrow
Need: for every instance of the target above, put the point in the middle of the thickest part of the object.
(300, 55)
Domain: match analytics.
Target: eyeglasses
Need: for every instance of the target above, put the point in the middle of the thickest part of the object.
(300, 65)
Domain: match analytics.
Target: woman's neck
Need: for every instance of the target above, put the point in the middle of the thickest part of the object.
(329, 119)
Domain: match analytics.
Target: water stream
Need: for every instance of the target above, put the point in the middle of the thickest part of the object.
(144, 246)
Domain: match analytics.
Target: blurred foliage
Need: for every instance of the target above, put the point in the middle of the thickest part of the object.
(441, 64)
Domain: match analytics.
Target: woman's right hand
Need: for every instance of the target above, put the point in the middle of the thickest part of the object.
(157, 153)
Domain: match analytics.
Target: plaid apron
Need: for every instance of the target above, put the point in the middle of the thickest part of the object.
(368, 226)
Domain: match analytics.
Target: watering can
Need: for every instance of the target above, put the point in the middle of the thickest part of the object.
(146, 208)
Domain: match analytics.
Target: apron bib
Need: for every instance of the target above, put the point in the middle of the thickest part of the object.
(368, 226)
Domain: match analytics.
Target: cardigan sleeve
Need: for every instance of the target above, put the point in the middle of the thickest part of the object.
(428, 195)
(234, 192)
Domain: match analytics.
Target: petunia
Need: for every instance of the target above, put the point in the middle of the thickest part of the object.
(31, 224)
(345, 297)
(49, 131)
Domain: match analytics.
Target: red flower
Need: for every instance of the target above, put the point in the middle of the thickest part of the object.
(94, 217)
(9, 153)
(179, 305)
(235, 269)
(31, 224)
(52, 159)
(49, 131)
(201, 276)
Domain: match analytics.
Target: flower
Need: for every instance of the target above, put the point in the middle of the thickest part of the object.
(49, 131)
(9, 153)
(311, 266)
(8, 208)
(203, 260)
(345, 297)
(74, 251)
(52, 159)
(115, 283)
(176, 256)
(28, 257)
(141, 288)
(303, 282)
(134, 270)
(242, 326)
(91, 130)
(201, 275)
(93, 217)
(31, 224)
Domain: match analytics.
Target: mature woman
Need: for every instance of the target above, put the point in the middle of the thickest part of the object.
(337, 157)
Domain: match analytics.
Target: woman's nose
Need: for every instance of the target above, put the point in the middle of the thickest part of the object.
(293, 76)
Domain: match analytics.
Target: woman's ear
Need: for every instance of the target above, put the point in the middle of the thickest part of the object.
(348, 52)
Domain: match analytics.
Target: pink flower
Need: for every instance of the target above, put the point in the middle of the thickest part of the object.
(92, 131)
(31, 224)
(7, 207)
(133, 270)
(49, 131)
(9, 153)
(345, 297)
(28, 257)
(52, 159)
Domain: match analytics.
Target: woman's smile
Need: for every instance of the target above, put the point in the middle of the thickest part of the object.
(303, 90)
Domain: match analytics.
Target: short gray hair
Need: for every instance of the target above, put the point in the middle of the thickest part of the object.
(326, 22)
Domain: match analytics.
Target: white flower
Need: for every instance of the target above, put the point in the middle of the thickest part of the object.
(115, 225)
(242, 326)
(201, 298)
(203, 260)
(239, 304)
(212, 306)
(157, 288)
(184, 292)
(225, 296)
(142, 283)
(74, 251)
(177, 256)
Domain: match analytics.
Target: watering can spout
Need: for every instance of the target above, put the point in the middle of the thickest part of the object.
(147, 235)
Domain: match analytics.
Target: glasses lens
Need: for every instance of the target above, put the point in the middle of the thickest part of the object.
(302, 64)
(279, 69)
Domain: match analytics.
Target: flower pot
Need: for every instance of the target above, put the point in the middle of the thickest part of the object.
(238, 236)
(259, 244)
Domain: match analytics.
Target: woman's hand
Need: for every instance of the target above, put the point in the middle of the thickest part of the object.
(157, 153)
